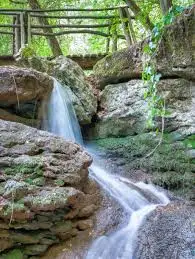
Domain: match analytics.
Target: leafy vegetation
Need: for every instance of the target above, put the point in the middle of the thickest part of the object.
(81, 43)
(150, 75)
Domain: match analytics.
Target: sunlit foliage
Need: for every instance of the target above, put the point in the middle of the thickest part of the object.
(81, 43)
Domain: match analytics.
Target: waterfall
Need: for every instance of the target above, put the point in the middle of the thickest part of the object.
(60, 117)
(137, 200)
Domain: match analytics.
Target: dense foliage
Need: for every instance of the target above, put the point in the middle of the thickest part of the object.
(81, 43)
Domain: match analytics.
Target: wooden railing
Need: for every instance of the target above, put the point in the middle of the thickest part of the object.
(24, 25)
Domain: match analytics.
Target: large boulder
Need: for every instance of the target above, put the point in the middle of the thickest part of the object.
(124, 111)
(43, 189)
(69, 74)
(175, 56)
(22, 92)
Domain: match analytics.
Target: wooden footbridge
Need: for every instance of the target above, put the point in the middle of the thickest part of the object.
(24, 25)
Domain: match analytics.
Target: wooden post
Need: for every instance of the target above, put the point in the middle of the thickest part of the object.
(131, 30)
(114, 36)
(14, 37)
(114, 40)
(124, 21)
(108, 40)
(17, 35)
(29, 29)
(25, 27)
(22, 30)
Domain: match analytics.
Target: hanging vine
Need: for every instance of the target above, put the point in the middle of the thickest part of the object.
(150, 75)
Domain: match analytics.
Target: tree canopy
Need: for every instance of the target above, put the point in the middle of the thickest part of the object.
(147, 13)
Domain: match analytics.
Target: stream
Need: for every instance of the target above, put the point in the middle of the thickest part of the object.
(136, 199)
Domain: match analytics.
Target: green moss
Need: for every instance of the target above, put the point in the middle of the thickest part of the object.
(59, 182)
(190, 142)
(14, 254)
(169, 165)
(26, 168)
(40, 181)
(27, 52)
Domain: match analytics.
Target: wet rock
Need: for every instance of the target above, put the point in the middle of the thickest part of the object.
(167, 233)
(8, 116)
(87, 211)
(122, 110)
(85, 224)
(35, 250)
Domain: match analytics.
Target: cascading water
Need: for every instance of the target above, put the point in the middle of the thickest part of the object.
(137, 200)
(60, 117)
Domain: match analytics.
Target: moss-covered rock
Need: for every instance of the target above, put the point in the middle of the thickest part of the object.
(170, 165)
(14, 254)
(42, 181)
(175, 57)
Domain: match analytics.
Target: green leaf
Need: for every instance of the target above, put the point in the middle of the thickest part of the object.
(145, 95)
(146, 49)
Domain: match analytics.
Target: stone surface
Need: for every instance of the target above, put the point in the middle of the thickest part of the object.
(69, 74)
(22, 92)
(33, 205)
(120, 66)
(175, 57)
(123, 110)
(168, 233)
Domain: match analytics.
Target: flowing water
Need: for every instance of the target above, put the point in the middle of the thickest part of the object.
(137, 200)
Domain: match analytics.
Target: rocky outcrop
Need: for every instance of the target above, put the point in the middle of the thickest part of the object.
(120, 66)
(123, 110)
(44, 194)
(69, 74)
(174, 58)
(22, 92)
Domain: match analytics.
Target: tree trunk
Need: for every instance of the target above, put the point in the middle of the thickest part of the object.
(53, 42)
(143, 18)
(165, 5)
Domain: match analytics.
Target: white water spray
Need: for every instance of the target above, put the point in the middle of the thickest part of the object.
(60, 117)
(137, 200)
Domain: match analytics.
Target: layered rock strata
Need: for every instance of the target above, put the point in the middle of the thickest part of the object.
(45, 193)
